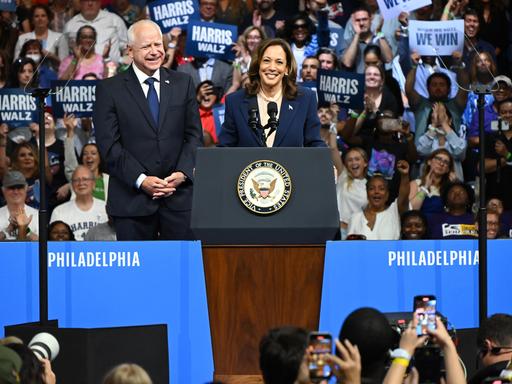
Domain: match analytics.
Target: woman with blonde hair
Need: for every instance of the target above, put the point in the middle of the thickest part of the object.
(247, 44)
(351, 186)
(127, 374)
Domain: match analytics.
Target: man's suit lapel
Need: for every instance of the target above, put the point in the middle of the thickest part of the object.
(286, 115)
(132, 83)
(166, 93)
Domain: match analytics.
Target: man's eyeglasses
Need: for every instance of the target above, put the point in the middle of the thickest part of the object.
(298, 26)
(442, 160)
(82, 180)
(494, 351)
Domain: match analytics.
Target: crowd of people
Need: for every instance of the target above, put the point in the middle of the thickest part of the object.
(369, 348)
(406, 166)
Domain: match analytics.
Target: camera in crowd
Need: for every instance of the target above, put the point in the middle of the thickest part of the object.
(45, 346)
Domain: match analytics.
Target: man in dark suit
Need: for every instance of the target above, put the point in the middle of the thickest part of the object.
(148, 129)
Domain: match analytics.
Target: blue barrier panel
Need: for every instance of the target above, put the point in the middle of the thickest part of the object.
(388, 274)
(108, 284)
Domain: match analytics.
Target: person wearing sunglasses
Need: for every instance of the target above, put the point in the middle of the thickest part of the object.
(300, 33)
(494, 340)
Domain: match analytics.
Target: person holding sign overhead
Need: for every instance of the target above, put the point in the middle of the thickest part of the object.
(272, 111)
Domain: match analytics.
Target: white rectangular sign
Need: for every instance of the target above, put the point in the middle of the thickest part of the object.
(390, 9)
(431, 38)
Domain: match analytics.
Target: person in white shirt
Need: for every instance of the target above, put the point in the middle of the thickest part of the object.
(111, 29)
(18, 221)
(84, 212)
(378, 221)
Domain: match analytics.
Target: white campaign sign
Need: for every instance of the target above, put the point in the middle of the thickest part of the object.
(390, 9)
(431, 38)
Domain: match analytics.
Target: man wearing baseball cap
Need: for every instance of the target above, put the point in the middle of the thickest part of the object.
(18, 221)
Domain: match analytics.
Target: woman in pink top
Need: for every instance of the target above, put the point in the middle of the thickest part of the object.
(84, 60)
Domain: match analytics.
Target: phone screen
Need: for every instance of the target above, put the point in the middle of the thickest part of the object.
(425, 312)
(319, 345)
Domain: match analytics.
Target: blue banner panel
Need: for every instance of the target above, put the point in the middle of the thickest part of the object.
(75, 96)
(110, 284)
(387, 275)
(173, 13)
(211, 40)
(8, 5)
(17, 107)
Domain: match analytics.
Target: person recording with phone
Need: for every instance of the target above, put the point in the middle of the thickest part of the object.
(272, 111)
(410, 341)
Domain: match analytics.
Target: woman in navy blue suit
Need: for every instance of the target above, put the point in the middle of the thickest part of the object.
(272, 77)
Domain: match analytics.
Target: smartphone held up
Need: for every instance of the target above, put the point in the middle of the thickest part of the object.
(425, 313)
(319, 345)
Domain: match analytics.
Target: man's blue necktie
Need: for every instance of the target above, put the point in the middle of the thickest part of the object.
(152, 97)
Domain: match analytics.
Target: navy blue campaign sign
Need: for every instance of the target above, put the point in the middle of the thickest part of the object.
(388, 274)
(344, 88)
(212, 40)
(8, 5)
(106, 284)
(173, 13)
(336, 42)
(17, 107)
(75, 96)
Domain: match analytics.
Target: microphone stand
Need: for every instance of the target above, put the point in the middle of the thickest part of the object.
(40, 94)
(481, 91)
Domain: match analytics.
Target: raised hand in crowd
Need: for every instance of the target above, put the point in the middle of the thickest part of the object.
(409, 341)
(106, 49)
(454, 371)
(369, 104)
(415, 58)
(256, 18)
(70, 122)
(171, 42)
(19, 222)
(347, 366)
(403, 19)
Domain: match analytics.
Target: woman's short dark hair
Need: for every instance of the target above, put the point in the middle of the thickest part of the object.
(82, 28)
(45, 8)
(328, 51)
(16, 69)
(57, 222)
(414, 213)
(375, 49)
(469, 191)
(29, 44)
(289, 85)
(289, 23)
(101, 166)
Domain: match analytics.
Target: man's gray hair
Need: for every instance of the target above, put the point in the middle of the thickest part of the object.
(131, 30)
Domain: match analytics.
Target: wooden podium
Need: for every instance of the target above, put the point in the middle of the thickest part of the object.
(278, 281)
(252, 289)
